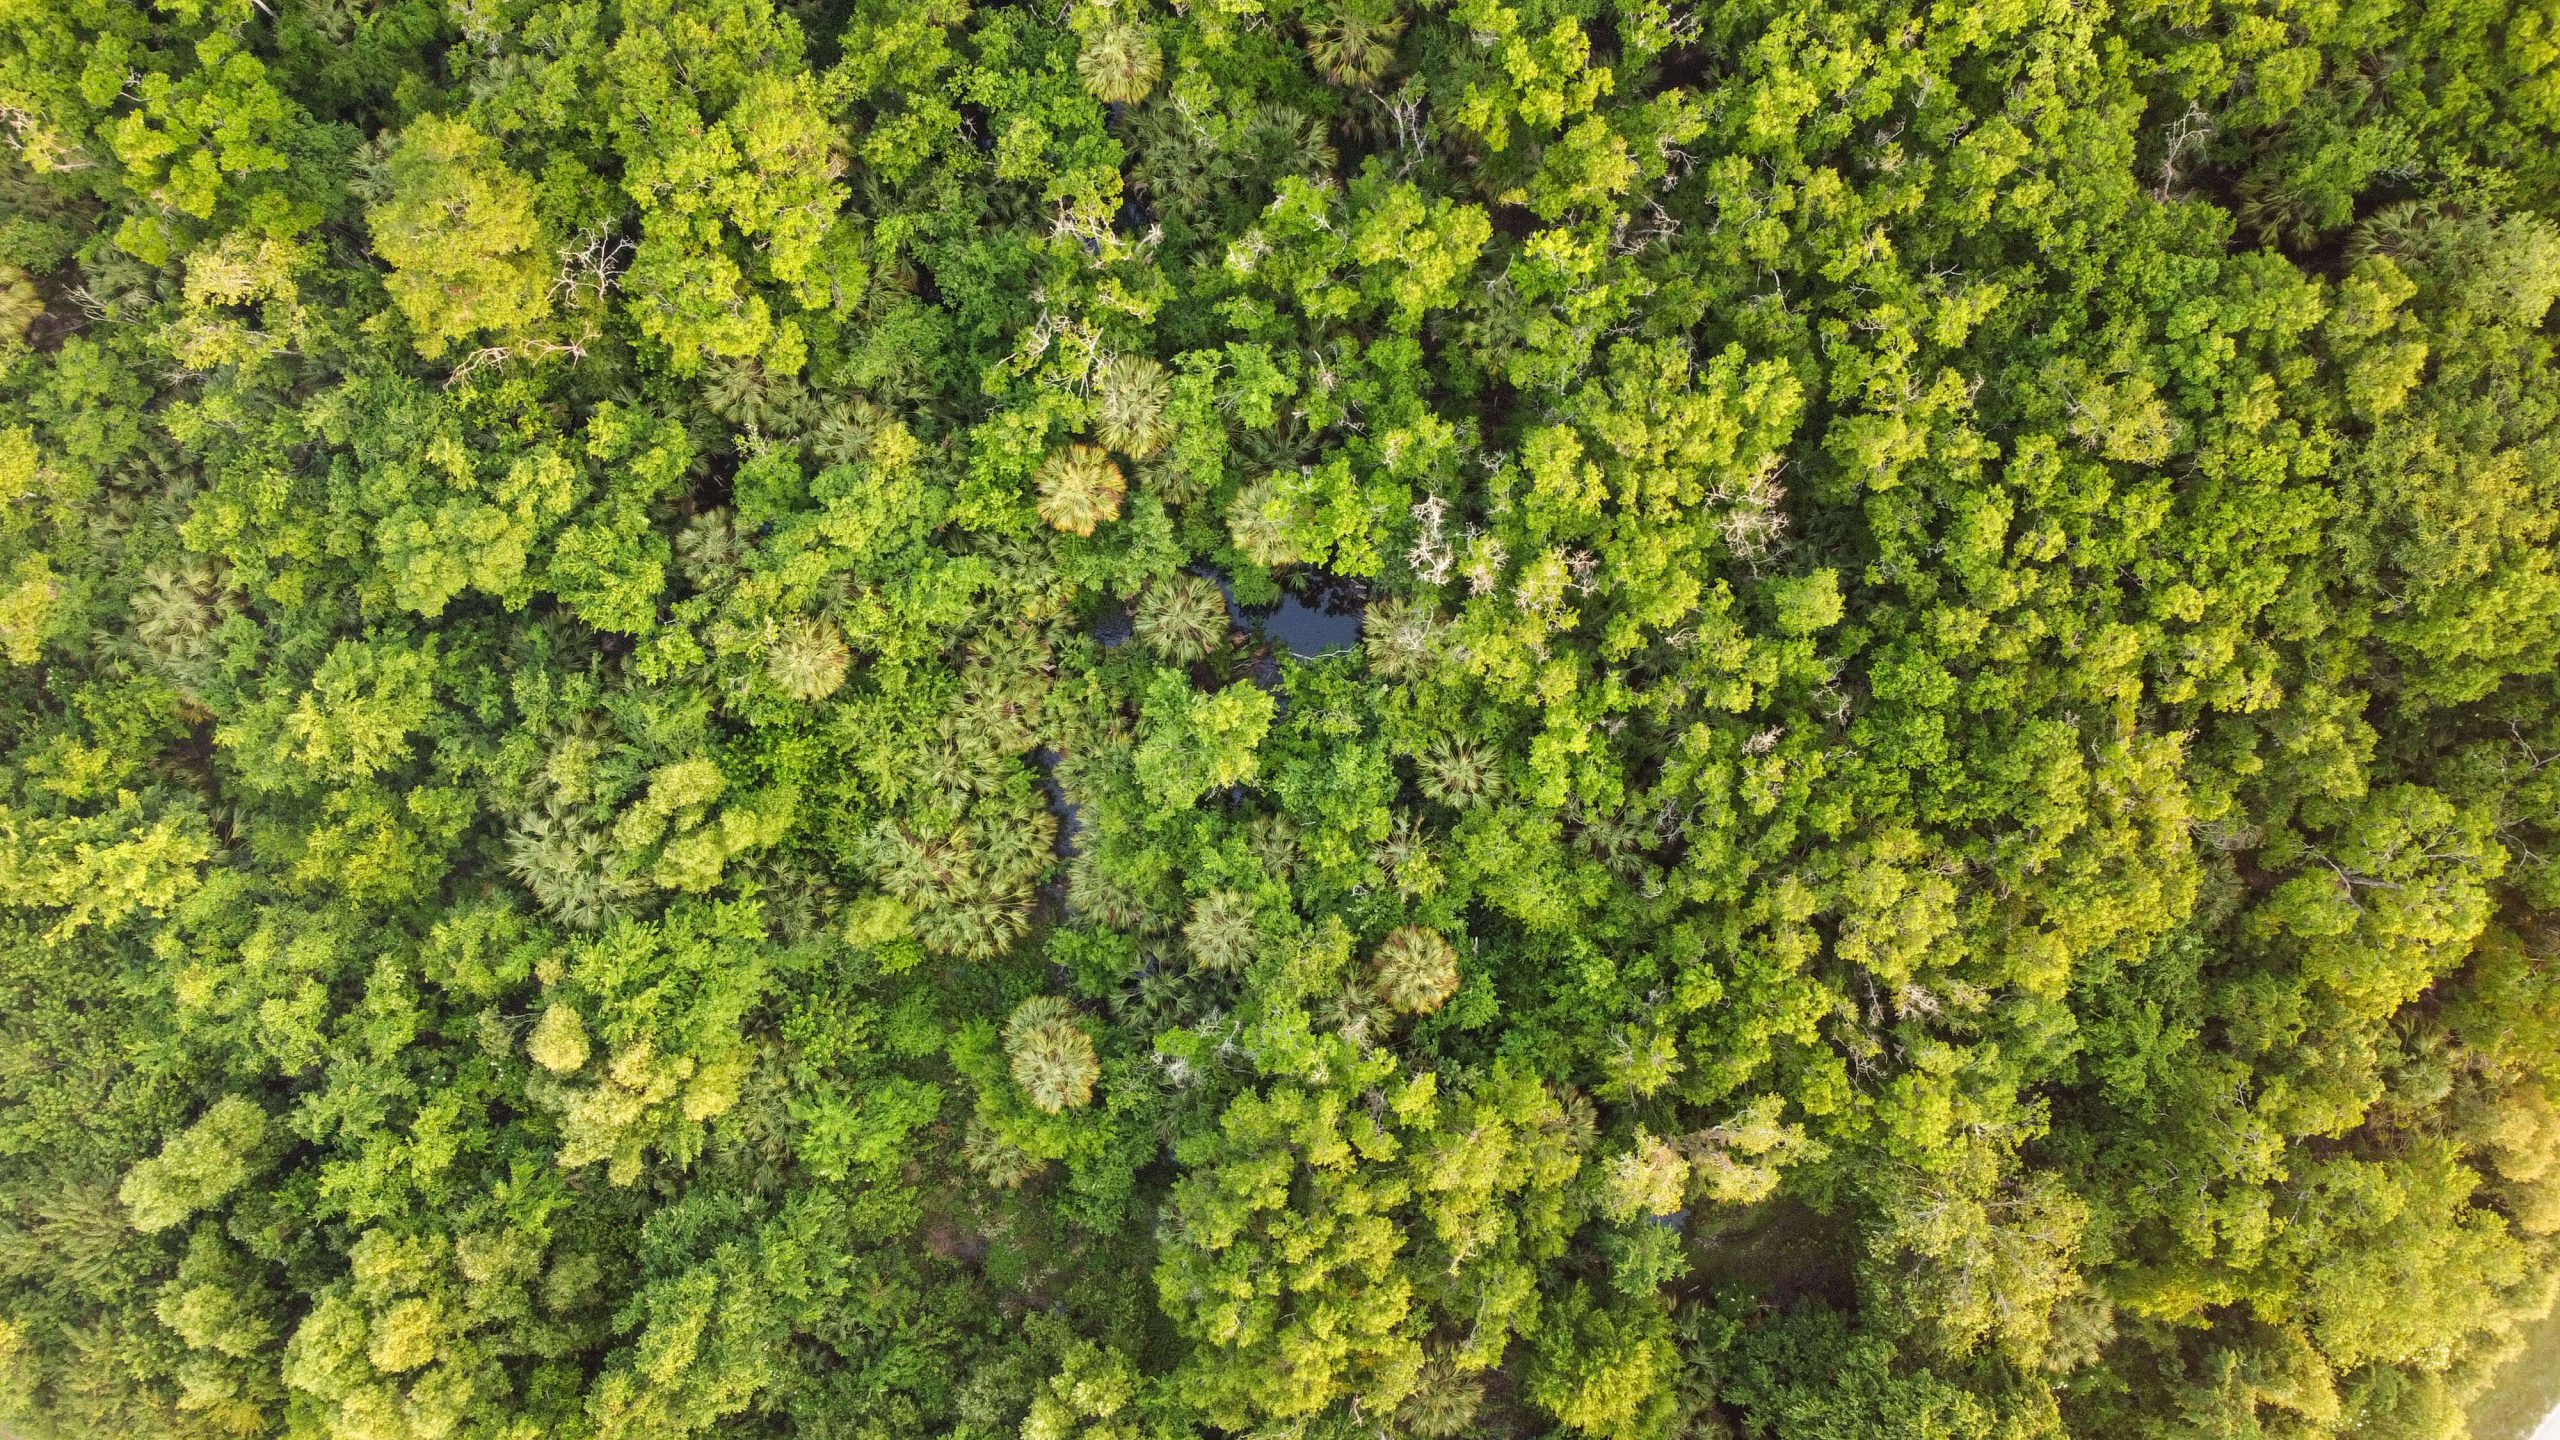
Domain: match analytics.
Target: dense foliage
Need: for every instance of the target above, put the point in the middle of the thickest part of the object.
(645, 794)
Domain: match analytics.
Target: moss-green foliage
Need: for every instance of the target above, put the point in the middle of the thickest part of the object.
(646, 793)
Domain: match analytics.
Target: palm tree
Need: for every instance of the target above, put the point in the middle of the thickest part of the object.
(175, 614)
(707, 550)
(1129, 397)
(1080, 488)
(1095, 893)
(1351, 42)
(1182, 617)
(840, 428)
(1617, 840)
(1401, 638)
(1016, 839)
(1119, 63)
(1257, 520)
(808, 663)
(1460, 774)
(1163, 997)
(1053, 1057)
(1273, 839)
(918, 867)
(971, 901)
(1355, 1011)
(1002, 691)
(1407, 857)
(736, 392)
(1171, 481)
(1443, 1403)
(978, 926)
(999, 1162)
(1415, 969)
(570, 866)
(949, 773)
(1222, 932)
(1576, 1122)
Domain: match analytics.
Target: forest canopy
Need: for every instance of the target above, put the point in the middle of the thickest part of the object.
(1302, 719)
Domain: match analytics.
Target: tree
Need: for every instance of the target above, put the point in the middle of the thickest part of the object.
(1080, 488)
(1194, 743)
(1604, 1370)
(1119, 61)
(1182, 618)
(809, 661)
(1053, 1059)
(198, 1167)
(467, 253)
(1924, 805)
(1130, 393)
(1416, 970)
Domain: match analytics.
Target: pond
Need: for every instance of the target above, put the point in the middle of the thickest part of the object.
(1318, 613)
(1312, 630)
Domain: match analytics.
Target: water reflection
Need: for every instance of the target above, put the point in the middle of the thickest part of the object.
(1317, 615)
(1115, 627)
(1045, 760)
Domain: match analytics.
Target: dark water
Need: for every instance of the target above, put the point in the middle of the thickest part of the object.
(1114, 628)
(1318, 614)
(1312, 630)
(1069, 823)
